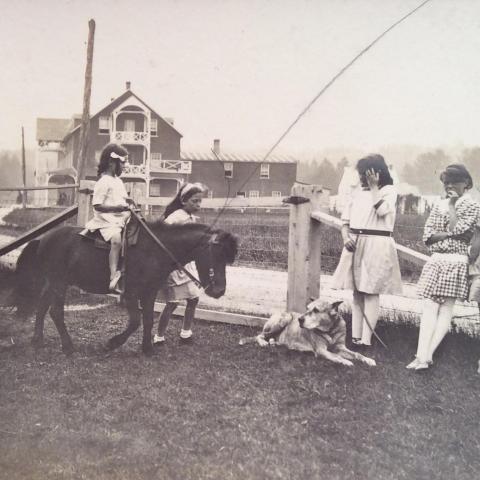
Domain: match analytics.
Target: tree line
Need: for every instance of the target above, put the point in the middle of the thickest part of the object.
(423, 172)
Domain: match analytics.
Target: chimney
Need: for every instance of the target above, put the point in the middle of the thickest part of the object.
(216, 146)
(129, 84)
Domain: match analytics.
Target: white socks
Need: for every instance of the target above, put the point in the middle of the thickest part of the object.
(185, 333)
(158, 339)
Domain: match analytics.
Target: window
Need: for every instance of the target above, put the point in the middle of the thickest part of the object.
(276, 193)
(253, 194)
(104, 125)
(241, 194)
(129, 125)
(228, 167)
(153, 127)
(156, 156)
(210, 194)
(154, 189)
(97, 155)
(264, 170)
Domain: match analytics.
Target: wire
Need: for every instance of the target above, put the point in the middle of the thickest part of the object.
(319, 94)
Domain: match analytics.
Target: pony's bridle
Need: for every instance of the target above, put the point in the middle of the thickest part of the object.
(213, 240)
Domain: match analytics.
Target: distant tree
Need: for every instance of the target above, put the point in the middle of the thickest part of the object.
(339, 170)
(326, 174)
(425, 171)
(10, 167)
(471, 159)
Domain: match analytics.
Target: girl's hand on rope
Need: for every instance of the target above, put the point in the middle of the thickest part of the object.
(349, 244)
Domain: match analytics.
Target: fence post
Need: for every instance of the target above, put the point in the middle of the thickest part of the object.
(84, 201)
(304, 249)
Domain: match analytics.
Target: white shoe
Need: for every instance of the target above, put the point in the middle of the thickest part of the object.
(158, 340)
(413, 364)
(114, 281)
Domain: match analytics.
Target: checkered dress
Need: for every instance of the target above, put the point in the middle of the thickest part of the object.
(446, 272)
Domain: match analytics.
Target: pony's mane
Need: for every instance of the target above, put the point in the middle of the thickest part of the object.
(228, 241)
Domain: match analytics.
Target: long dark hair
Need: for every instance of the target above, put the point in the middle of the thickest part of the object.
(105, 157)
(186, 191)
(377, 163)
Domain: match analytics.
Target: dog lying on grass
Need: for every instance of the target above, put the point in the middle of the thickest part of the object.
(321, 330)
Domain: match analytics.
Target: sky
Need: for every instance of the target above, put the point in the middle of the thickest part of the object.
(242, 70)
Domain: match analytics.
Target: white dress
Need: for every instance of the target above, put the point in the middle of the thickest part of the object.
(109, 191)
(179, 285)
(375, 262)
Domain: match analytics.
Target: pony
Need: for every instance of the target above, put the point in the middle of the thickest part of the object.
(47, 266)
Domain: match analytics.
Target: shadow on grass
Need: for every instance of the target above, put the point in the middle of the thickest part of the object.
(215, 410)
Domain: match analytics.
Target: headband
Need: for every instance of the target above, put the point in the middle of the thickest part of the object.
(116, 155)
(189, 187)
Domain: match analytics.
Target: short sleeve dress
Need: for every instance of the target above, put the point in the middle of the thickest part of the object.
(445, 275)
(373, 268)
(179, 285)
(108, 191)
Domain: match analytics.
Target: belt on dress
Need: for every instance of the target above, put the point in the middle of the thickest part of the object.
(366, 231)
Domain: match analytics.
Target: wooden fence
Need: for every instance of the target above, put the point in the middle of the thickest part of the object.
(304, 246)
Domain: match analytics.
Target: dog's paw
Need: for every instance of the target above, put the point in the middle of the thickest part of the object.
(370, 362)
(262, 342)
(272, 342)
(346, 362)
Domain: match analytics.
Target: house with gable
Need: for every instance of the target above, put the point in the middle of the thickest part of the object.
(156, 166)
(154, 163)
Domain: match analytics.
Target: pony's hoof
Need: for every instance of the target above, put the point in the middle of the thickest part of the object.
(147, 350)
(68, 350)
(112, 344)
(37, 343)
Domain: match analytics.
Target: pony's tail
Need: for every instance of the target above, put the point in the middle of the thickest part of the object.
(28, 281)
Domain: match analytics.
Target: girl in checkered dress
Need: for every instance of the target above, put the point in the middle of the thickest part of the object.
(444, 277)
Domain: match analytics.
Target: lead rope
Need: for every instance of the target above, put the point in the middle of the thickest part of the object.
(179, 266)
(362, 308)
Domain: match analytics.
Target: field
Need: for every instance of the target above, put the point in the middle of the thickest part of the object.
(215, 410)
(264, 236)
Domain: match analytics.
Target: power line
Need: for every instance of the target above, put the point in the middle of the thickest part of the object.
(320, 93)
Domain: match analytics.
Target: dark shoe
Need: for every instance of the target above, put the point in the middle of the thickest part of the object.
(422, 366)
(186, 341)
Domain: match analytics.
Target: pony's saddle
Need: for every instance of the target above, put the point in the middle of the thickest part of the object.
(129, 236)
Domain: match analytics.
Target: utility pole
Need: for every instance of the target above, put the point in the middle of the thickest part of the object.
(82, 156)
(24, 172)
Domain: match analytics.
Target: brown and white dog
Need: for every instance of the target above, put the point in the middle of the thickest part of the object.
(321, 330)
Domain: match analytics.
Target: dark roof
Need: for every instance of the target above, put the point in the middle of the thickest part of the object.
(237, 157)
(117, 101)
(53, 129)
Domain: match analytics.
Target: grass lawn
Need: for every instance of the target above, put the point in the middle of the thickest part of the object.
(215, 410)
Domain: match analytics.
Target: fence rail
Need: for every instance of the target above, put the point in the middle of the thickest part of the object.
(404, 252)
(47, 187)
(305, 245)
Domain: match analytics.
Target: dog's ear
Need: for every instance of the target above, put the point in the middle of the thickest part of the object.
(334, 306)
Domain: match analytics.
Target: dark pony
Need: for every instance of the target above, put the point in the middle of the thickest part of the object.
(46, 268)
